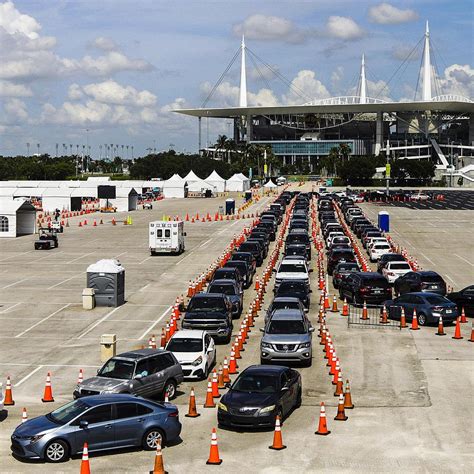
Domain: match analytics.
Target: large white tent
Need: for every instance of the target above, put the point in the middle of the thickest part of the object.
(215, 180)
(57, 198)
(245, 180)
(175, 187)
(235, 183)
(126, 199)
(270, 185)
(17, 217)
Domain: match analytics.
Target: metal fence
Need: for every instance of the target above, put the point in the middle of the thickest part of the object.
(369, 318)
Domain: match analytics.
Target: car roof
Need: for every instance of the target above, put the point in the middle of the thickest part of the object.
(224, 269)
(428, 273)
(138, 354)
(208, 295)
(285, 299)
(223, 282)
(188, 333)
(269, 369)
(94, 400)
(293, 260)
(422, 293)
(371, 275)
(287, 314)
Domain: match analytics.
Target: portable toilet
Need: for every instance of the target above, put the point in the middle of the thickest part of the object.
(229, 206)
(107, 278)
(384, 221)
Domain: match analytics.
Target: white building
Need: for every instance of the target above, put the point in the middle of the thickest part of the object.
(17, 217)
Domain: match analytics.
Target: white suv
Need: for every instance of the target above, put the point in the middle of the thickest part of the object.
(393, 270)
(292, 269)
(195, 350)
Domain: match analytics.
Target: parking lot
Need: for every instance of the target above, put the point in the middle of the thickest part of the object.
(412, 391)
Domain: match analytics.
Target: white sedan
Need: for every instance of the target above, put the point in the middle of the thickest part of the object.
(378, 249)
(393, 270)
(195, 350)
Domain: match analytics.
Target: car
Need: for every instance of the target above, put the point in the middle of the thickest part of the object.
(296, 289)
(284, 303)
(232, 290)
(341, 270)
(254, 248)
(246, 257)
(336, 235)
(262, 240)
(389, 257)
(393, 270)
(47, 239)
(103, 421)
(244, 269)
(229, 273)
(298, 224)
(420, 281)
(299, 250)
(212, 313)
(258, 396)
(419, 197)
(299, 236)
(429, 307)
(339, 255)
(463, 299)
(368, 287)
(269, 227)
(377, 250)
(145, 372)
(287, 337)
(195, 351)
(292, 269)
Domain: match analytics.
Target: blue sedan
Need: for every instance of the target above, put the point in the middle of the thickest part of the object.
(429, 307)
(103, 421)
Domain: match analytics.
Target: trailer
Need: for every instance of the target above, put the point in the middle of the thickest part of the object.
(166, 237)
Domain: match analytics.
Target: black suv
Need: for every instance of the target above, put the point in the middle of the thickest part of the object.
(212, 313)
(420, 281)
(296, 289)
(339, 255)
(255, 248)
(299, 236)
(229, 274)
(369, 287)
(246, 257)
(244, 269)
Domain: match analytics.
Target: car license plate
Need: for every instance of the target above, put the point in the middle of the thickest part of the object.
(449, 311)
(377, 291)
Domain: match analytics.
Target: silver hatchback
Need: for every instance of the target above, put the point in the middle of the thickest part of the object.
(144, 372)
(287, 337)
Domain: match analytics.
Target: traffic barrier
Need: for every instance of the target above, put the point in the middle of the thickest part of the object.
(159, 467)
(8, 401)
(277, 437)
(440, 327)
(209, 397)
(24, 416)
(341, 415)
(322, 426)
(192, 410)
(463, 316)
(48, 391)
(85, 466)
(457, 330)
(347, 397)
(214, 451)
(414, 321)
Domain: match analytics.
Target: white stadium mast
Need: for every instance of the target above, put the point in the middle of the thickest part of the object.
(362, 83)
(243, 77)
(426, 71)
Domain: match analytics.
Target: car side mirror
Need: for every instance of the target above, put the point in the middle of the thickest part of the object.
(274, 270)
(228, 385)
(209, 349)
(138, 376)
(311, 329)
(83, 424)
(262, 329)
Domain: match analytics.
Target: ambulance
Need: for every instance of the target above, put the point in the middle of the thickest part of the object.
(166, 237)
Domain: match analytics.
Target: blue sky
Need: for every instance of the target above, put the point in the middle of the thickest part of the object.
(117, 68)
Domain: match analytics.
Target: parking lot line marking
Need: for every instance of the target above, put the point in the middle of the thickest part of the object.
(155, 323)
(78, 258)
(64, 281)
(143, 261)
(42, 320)
(14, 256)
(26, 377)
(450, 279)
(9, 308)
(49, 255)
(206, 242)
(98, 322)
(123, 253)
(12, 284)
(462, 258)
(427, 258)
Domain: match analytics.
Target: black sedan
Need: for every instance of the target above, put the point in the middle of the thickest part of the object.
(464, 299)
(258, 396)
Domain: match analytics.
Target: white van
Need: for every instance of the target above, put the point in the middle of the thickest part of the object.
(281, 181)
(166, 237)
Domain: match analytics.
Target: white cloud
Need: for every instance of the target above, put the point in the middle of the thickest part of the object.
(264, 71)
(15, 22)
(270, 28)
(401, 52)
(375, 89)
(337, 76)
(343, 28)
(110, 63)
(104, 43)
(458, 79)
(386, 14)
(227, 95)
(10, 89)
(305, 81)
(75, 92)
(15, 112)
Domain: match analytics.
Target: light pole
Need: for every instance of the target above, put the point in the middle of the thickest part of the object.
(122, 151)
(28, 148)
(65, 149)
(57, 146)
(132, 152)
(127, 152)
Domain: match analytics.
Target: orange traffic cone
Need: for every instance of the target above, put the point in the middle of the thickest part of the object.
(214, 451)
(326, 301)
(24, 416)
(347, 397)
(322, 427)
(339, 385)
(209, 398)
(215, 385)
(463, 316)
(48, 391)
(384, 317)
(440, 327)
(80, 224)
(345, 308)
(341, 415)
(80, 377)
(334, 305)
(159, 467)
(163, 338)
(8, 394)
(365, 314)
(85, 466)
(472, 333)
(220, 377)
(192, 410)
(225, 372)
(403, 321)
(457, 330)
(277, 438)
(232, 365)
(414, 321)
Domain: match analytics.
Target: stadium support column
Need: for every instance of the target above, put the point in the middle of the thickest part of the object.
(249, 129)
(378, 133)
(200, 137)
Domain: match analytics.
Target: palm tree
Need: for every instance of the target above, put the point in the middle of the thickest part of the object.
(221, 143)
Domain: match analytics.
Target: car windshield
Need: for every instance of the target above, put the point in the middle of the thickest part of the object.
(117, 369)
(284, 305)
(184, 344)
(206, 304)
(225, 289)
(435, 299)
(348, 267)
(256, 383)
(286, 326)
(400, 266)
(68, 412)
(381, 246)
(431, 279)
(287, 287)
(300, 238)
(292, 268)
(223, 274)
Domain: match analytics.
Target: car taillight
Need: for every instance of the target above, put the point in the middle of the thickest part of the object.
(424, 285)
(173, 414)
(364, 289)
(338, 275)
(391, 274)
(437, 308)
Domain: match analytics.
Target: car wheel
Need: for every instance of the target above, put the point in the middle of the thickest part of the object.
(151, 437)
(421, 319)
(353, 298)
(56, 451)
(170, 389)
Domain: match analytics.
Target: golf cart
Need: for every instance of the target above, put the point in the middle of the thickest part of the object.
(47, 239)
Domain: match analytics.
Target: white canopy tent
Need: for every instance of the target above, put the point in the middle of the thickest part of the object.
(175, 187)
(126, 199)
(235, 183)
(270, 185)
(215, 180)
(245, 180)
(59, 198)
(17, 217)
